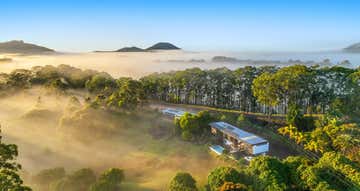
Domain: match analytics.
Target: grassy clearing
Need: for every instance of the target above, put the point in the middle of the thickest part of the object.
(163, 157)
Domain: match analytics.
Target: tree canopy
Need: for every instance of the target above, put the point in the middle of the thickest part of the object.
(183, 181)
(109, 180)
(192, 126)
(220, 175)
(79, 180)
(9, 169)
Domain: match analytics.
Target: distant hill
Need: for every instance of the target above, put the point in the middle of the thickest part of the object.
(130, 49)
(157, 46)
(353, 48)
(19, 46)
(163, 46)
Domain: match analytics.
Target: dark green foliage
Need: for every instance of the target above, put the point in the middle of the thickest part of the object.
(129, 95)
(84, 179)
(332, 171)
(307, 123)
(100, 83)
(289, 85)
(269, 173)
(109, 181)
(193, 126)
(113, 176)
(220, 175)
(296, 166)
(250, 89)
(60, 77)
(294, 115)
(9, 170)
(183, 182)
(296, 118)
(74, 77)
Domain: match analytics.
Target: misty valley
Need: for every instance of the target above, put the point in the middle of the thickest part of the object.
(85, 130)
(59, 129)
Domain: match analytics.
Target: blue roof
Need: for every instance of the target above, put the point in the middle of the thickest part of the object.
(237, 133)
(217, 149)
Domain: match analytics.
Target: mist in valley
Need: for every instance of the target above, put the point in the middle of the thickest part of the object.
(55, 128)
(135, 64)
(138, 64)
(59, 130)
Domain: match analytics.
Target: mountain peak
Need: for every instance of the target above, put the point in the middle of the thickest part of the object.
(163, 46)
(19, 46)
(130, 49)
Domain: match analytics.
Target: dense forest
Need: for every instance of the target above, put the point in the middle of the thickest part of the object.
(264, 89)
(329, 134)
(271, 90)
(270, 173)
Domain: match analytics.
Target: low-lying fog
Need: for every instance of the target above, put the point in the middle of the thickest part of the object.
(51, 132)
(137, 64)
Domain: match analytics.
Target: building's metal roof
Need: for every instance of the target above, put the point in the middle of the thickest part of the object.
(217, 149)
(175, 112)
(237, 133)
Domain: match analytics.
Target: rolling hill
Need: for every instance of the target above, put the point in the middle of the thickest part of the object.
(130, 49)
(163, 46)
(19, 46)
(157, 46)
(353, 48)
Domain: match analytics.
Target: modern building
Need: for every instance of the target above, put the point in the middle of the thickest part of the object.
(236, 139)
